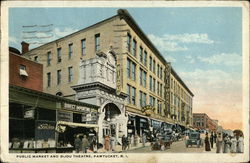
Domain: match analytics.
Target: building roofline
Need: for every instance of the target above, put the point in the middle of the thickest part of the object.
(12, 53)
(179, 79)
(124, 14)
(74, 33)
(50, 96)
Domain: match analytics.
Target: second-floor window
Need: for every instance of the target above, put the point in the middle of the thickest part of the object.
(134, 47)
(97, 42)
(59, 55)
(70, 71)
(131, 91)
(83, 46)
(59, 77)
(70, 51)
(152, 101)
(142, 99)
(133, 97)
(48, 79)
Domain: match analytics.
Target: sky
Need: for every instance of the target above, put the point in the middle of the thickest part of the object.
(204, 46)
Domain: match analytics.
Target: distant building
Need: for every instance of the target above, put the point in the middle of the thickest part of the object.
(203, 121)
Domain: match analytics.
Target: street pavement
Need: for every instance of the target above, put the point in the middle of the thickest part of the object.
(176, 147)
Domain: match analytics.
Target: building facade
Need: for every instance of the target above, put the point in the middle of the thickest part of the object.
(203, 121)
(140, 71)
(23, 72)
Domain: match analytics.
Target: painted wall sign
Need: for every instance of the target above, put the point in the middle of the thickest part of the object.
(76, 107)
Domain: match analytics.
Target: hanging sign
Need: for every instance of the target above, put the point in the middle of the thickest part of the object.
(118, 79)
(64, 116)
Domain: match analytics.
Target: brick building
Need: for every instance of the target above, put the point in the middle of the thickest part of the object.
(203, 121)
(23, 72)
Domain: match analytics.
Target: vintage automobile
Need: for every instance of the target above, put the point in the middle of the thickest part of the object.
(163, 141)
(194, 139)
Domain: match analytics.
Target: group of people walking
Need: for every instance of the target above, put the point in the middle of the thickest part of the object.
(225, 143)
(82, 145)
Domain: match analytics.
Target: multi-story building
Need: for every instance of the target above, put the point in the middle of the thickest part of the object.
(203, 121)
(140, 72)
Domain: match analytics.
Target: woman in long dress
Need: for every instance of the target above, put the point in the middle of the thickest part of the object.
(219, 143)
(107, 143)
(207, 143)
(226, 145)
(233, 144)
(240, 147)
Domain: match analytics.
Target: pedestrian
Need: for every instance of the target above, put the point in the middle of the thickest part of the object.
(124, 141)
(207, 144)
(112, 143)
(94, 144)
(143, 139)
(212, 140)
(107, 143)
(77, 143)
(227, 142)
(240, 144)
(234, 144)
(129, 142)
(215, 137)
(85, 144)
(219, 143)
(132, 140)
(136, 140)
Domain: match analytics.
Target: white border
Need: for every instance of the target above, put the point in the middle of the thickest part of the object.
(145, 157)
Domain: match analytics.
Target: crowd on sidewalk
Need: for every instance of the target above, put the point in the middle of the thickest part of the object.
(224, 143)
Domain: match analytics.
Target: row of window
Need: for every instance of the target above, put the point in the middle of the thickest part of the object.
(70, 50)
(131, 91)
(143, 56)
(59, 76)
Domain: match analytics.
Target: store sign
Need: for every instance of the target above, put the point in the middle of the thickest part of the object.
(45, 126)
(148, 110)
(29, 114)
(89, 117)
(64, 116)
(118, 79)
(76, 107)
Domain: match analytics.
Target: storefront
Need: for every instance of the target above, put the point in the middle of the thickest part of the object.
(38, 120)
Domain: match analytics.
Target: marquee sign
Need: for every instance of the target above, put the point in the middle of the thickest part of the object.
(78, 108)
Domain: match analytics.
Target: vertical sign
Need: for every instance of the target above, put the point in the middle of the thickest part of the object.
(118, 79)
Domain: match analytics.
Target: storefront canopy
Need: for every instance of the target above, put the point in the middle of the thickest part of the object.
(77, 124)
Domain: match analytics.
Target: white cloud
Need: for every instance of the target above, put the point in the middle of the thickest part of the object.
(66, 31)
(190, 59)
(166, 45)
(229, 59)
(189, 38)
(13, 40)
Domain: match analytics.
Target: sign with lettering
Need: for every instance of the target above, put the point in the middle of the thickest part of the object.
(64, 116)
(89, 117)
(45, 130)
(29, 114)
(78, 108)
(148, 110)
(118, 79)
(45, 126)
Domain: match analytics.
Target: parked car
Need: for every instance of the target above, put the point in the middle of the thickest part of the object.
(194, 139)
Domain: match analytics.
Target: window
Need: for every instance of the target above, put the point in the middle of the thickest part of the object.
(161, 73)
(150, 63)
(22, 67)
(153, 66)
(70, 50)
(129, 42)
(152, 101)
(36, 58)
(48, 79)
(150, 83)
(133, 99)
(153, 85)
(142, 99)
(128, 68)
(134, 47)
(129, 93)
(97, 42)
(59, 55)
(145, 58)
(158, 88)
(70, 77)
(58, 77)
(143, 75)
(141, 54)
(133, 71)
(83, 43)
(48, 58)
(158, 70)
(159, 107)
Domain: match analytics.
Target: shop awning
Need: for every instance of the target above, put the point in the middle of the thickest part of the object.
(77, 124)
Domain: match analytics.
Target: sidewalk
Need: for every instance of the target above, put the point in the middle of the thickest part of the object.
(118, 148)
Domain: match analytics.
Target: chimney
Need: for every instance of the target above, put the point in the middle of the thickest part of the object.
(25, 47)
